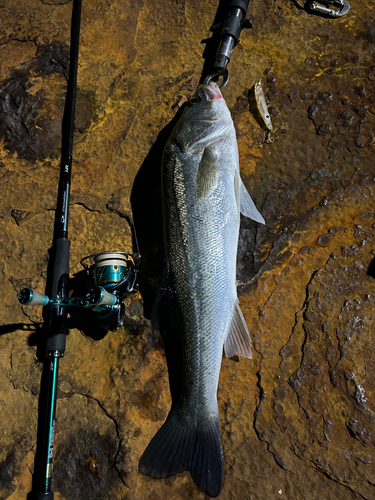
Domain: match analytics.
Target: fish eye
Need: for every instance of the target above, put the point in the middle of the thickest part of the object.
(194, 100)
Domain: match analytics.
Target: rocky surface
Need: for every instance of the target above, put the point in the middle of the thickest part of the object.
(297, 420)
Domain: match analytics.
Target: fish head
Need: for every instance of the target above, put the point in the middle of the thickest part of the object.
(205, 119)
(207, 92)
(207, 103)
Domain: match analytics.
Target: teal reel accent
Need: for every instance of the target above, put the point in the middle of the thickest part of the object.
(109, 267)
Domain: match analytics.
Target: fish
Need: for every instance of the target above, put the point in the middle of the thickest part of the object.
(203, 195)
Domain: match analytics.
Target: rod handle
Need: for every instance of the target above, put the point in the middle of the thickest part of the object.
(60, 265)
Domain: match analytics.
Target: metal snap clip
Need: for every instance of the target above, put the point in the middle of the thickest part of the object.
(338, 7)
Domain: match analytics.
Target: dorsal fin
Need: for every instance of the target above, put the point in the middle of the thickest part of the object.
(238, 340)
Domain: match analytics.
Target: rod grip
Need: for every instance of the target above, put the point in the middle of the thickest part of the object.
(60, 266)
(60, 275)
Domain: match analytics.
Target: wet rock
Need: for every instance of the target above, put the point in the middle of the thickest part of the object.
(361, 91)
(363, 140)
(323, 240)
(324, 129)
(242, 104)
(326, 96)
(88, 455)
(297, 419)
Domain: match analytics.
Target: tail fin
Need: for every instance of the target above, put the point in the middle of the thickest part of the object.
(180, 445)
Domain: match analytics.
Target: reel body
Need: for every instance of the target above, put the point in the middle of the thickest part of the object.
(112, 275)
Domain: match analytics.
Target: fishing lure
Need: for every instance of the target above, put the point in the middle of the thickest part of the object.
(260, 99)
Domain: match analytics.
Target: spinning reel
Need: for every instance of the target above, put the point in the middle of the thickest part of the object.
(112, 276)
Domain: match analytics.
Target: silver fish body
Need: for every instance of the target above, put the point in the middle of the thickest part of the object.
(202, 198)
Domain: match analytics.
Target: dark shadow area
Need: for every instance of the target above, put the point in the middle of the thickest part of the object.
(170, 330)
(34, 328)
(84, 320)
(146, 202)
(371, 269)
(301, 4)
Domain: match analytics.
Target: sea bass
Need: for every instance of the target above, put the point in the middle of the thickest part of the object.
(203, 196)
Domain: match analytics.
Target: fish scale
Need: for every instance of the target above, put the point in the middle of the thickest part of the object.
(202, 199)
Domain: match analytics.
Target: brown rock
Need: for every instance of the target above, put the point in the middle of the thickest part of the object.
(297, 421)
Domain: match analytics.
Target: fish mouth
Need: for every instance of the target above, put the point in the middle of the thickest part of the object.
(212, 91)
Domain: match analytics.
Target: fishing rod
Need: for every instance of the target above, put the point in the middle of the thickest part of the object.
(112, 275)
(229, 33)
(230, 29)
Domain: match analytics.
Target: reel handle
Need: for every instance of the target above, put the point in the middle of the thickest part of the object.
(98, 296)
(28, 297)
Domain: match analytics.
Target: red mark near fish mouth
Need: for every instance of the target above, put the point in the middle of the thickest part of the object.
(212, 91)
(213, 94)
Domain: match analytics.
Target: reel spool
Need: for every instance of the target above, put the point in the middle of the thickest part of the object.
(113, 276)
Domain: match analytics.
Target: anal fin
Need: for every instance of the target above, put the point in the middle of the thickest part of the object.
(238, 340)
(247, 206)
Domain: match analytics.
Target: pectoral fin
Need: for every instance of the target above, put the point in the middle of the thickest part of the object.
(208, 172)
(238, 339)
